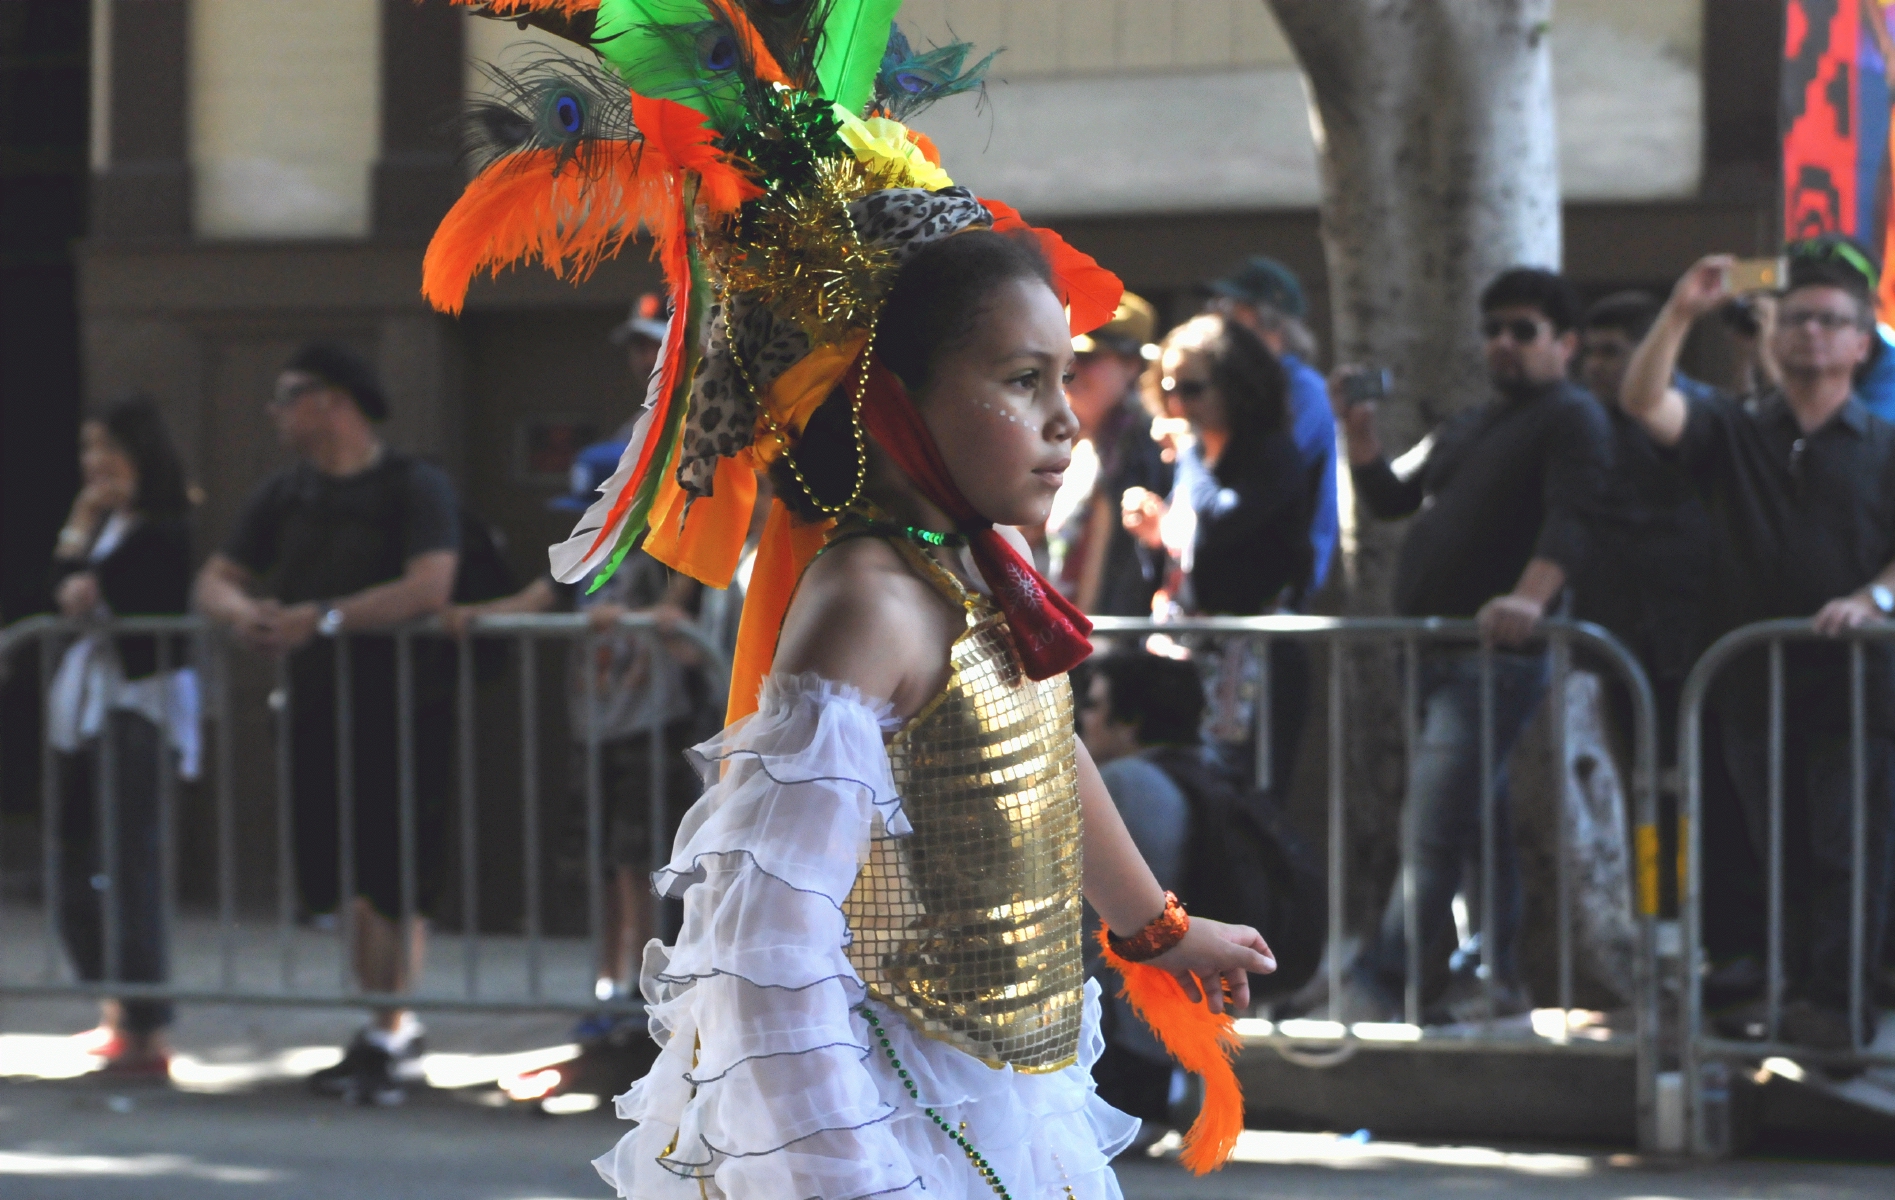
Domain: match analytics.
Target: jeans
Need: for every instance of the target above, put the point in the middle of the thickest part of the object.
(1444, 798)
(137, 882)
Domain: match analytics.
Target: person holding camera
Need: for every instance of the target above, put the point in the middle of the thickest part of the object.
(1499, 495)
(1799, 482)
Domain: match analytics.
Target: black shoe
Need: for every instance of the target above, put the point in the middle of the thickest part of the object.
(374, 1082)
(385, 1076)
(334, 1081)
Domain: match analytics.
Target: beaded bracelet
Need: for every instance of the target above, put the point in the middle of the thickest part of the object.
(1165, 931)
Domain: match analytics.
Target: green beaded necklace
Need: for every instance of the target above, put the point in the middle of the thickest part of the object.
(928, 537)
(974, 1156)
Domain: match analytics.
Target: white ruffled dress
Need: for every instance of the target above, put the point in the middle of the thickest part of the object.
(769, 1084)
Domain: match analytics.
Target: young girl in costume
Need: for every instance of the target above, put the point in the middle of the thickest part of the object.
(878, 986)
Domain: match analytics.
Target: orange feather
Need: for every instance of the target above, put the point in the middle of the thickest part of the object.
(531, 206)
(1202, 1042)
(1090, 293)
(762, 61)
(681, 136)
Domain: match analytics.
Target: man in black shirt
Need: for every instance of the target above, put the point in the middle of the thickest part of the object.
(1649, 587)
(353, 538)
(1800, 485)
(1503, 491)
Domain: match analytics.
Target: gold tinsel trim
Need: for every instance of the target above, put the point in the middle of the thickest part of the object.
(799, 253)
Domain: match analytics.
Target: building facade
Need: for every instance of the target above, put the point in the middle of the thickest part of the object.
(264, 173)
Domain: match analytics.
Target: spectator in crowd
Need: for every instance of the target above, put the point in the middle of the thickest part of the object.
(639, 687)
(352, 539)
(1648, 588)
(1875, 378)
(125, 551)
(641, 335)
(1500, 495)
(1265, 297)
(1799, 482)
(1237, 517)
(1094, 560)
(1133, 703)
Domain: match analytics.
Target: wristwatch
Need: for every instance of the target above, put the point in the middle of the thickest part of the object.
(1883, 597)
(331, 623)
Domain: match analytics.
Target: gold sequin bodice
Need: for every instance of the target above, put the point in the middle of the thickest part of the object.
(970, 926)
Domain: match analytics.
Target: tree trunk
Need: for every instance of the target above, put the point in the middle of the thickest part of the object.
(1434, 126)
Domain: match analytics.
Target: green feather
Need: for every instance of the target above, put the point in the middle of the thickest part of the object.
(855, 35)
(652, 45)
(630, 35)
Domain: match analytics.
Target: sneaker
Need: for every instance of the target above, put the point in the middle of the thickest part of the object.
(334, 1080)
(374, 1082)
(1746, 1022)
(404, 1058)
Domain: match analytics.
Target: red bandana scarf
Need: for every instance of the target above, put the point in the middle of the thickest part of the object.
(1050, 634)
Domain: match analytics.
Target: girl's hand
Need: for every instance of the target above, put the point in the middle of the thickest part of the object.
(1226, 953)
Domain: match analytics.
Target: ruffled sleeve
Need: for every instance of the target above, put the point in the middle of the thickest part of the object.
(762, 1082)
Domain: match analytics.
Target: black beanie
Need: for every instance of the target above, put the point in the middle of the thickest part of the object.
(340, 368)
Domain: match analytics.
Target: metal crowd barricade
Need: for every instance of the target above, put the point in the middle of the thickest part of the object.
(1412, 637)
(1706, 1057)
(229, 962)
(268, 958)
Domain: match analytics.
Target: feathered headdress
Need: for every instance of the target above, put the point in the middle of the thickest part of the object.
(756, 142)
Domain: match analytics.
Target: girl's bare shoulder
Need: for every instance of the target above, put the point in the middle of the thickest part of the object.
(862, 616)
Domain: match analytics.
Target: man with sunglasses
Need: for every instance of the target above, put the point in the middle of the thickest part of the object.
(351, 539)
(1799, 481)
(1500, 494)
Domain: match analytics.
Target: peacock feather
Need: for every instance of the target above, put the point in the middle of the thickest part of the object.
(908, 82)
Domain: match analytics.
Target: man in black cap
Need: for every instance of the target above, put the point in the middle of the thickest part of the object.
(1265, 297)
(353, 538)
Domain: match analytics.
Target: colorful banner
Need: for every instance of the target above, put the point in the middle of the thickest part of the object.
(1837, 59)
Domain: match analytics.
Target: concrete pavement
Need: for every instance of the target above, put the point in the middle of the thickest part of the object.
(240, 1127)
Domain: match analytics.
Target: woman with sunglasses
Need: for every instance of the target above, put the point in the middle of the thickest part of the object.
(1237, 520)
(1243, 535)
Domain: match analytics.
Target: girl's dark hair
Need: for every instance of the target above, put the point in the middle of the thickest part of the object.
(935, 304)
(137, 427)
(1251, 380)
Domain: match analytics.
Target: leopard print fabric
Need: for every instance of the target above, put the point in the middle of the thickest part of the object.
(723, 414)
(906, 219)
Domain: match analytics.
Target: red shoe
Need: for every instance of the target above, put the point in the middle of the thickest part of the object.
(101, 1042)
